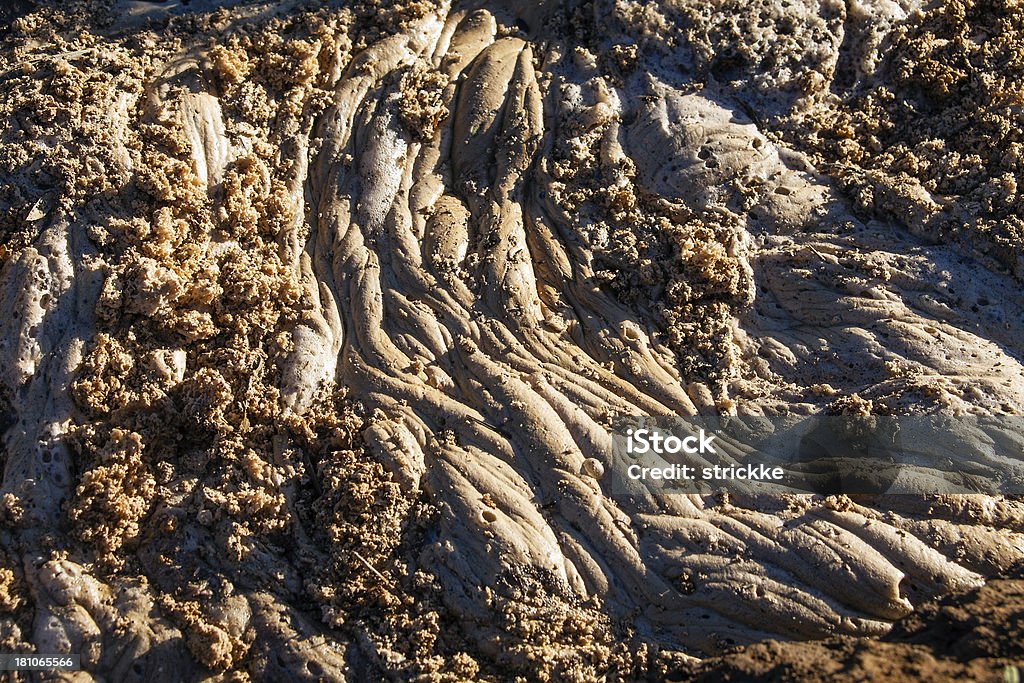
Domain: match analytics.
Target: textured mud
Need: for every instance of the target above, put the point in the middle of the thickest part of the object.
(317, 314)
(973, 637)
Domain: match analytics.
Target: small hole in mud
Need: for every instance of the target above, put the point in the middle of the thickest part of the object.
(488, 516)
(757, 143)
(783, 191)
(44, 300)
(704, 153)
(314, 668)
(47, 456)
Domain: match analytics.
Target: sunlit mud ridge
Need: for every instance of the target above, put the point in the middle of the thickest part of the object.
(319, 318)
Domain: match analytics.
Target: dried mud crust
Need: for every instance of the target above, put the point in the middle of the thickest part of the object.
(319, 315)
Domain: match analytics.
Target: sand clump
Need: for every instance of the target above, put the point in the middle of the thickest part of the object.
(932, 138)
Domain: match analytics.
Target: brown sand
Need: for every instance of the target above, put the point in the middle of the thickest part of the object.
(319, 313)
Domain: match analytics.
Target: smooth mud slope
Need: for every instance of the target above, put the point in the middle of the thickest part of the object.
(316, 315)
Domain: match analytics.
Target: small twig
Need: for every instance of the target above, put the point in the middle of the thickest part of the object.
(61, 55)
(370, 566)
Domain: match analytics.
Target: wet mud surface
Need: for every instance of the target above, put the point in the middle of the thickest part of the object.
(318, 316)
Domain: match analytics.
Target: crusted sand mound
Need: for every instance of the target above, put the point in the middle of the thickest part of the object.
(319, 315)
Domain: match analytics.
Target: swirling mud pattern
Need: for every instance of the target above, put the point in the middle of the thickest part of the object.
(316, 316)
